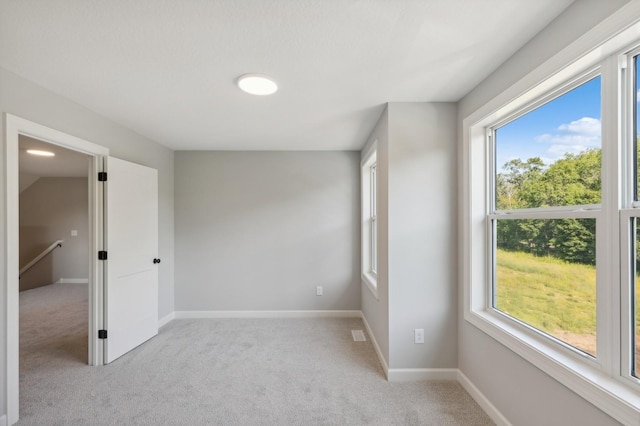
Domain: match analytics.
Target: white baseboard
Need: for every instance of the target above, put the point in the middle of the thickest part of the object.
(419, 374)
(166, 319)
(383, 362)
(266, 314)
(3, 420)
(72, 281)
(482, 400)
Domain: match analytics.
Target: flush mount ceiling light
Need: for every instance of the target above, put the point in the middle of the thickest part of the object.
(40, 153)
(257, 84)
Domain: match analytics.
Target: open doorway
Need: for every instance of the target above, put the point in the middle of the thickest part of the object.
(17, 128)
(123, 247)
(54, 260)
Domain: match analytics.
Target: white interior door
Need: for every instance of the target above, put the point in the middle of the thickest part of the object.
(131, 242)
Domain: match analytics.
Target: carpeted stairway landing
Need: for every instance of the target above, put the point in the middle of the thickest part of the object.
(218, 372)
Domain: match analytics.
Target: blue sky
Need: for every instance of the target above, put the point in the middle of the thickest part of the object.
(570, 123)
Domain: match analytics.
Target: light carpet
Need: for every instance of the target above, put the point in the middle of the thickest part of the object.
(218, 371)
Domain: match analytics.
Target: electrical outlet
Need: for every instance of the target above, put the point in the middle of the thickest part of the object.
(74, 232)
(418, 334)
(319, 290)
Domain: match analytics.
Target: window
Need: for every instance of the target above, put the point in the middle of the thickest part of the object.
(546, 203)
(635, 299)
(369, 220)
(551, 219)
(374, 225)
(634, 242)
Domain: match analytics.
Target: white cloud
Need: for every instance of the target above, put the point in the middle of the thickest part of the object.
(586, 126)
(573, 138)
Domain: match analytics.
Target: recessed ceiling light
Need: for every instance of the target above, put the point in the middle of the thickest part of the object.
(40, 152)
(257, 84)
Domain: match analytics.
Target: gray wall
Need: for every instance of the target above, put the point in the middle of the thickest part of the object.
(260, 230)
(32, 102)
(422, 230)
(376, 310)
(416, 164)
(49, 210)
(524, 394)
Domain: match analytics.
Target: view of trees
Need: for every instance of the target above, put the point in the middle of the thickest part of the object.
(572, 180)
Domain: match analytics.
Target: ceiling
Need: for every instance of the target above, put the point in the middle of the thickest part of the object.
(167, 68)
(65, 163)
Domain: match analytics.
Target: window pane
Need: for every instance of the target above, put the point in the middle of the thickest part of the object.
(374, 226)
(551, 155)
(374, 207)
(546, 277)
(374, 246)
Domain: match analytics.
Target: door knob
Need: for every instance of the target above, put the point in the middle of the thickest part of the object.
(156, 261)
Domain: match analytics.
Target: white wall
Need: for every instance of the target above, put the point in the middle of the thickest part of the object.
(260, 230)
(524, 394)
(49, 210)
(32, 102)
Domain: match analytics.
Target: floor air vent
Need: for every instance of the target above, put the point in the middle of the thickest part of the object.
(358, 336)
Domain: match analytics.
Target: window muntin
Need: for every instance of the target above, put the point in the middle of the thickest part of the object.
(545, 163)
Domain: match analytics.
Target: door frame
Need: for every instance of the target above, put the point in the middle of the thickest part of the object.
(14, 127)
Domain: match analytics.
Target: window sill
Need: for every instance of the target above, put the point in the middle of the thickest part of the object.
(371, 282)
(578, 373)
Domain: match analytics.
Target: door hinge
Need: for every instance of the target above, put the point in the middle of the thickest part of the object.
(102, 176)
(102, 255)
(102, 334)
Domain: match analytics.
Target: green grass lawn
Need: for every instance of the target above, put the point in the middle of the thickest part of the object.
(554, 296)
(547, 293)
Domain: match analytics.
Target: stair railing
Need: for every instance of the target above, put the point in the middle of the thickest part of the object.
(41, 256)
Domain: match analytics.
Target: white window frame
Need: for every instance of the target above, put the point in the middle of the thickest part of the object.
(604, 381)
(369, 232)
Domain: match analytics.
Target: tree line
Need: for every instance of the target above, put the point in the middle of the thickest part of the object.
(572, 180)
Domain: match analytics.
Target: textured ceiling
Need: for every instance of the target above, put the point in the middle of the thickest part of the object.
(166, 68)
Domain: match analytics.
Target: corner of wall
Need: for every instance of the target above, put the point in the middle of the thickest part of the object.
(421, 253)
(381, 357)
(375, 309)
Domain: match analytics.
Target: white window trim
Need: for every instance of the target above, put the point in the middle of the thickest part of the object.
(597, 380)
(369, 276)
